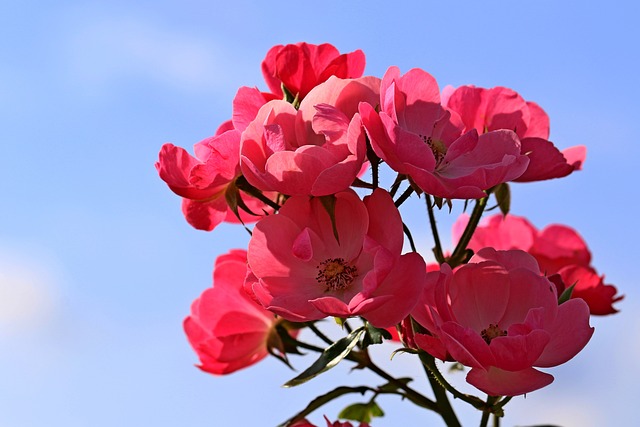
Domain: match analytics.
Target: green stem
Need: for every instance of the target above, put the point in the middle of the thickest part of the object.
(489, 410)
(364, 360)
(404, 196)
(374, 160)
(396, 184)
(442, 400)
(437, 250)
(243, 185)
(358, 183)
(411, 394)
(409, 236)
(319, 333)
(460, 253)
(429, 362)
(485, 419)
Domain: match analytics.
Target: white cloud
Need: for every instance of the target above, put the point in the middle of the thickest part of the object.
(27, 294)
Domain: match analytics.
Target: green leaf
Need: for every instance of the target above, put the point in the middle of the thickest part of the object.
(456, 367)
(402, 350)
(329, 204)
(374, 335)
(362, 412)
(329, 358)
(286, 94)
(566, 294)
(323, 399)
(503, 197)
(232, 196)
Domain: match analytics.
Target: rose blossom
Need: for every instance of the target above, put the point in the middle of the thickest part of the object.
(316, 150)
(307, 268)
(301, 67)
(500, 316)
(226, 328)
(203, 180)
(486, 110)
(557, 248)
(416, 136)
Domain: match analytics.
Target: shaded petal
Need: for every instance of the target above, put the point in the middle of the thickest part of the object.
(479, 295)
(546, 161)
(205, 215)
(570, 332)
(498, 382)
(516, 352)
(466, 346)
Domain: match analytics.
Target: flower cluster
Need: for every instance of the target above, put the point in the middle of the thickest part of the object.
(328, 243)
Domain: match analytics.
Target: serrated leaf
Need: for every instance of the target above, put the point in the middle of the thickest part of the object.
(503, 197)
(362, 412)
(329, 358)
(323, 399)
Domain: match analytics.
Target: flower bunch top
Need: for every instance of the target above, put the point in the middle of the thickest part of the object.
(506, 301)
(309, 136)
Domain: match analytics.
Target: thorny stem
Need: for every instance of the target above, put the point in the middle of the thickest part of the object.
(243, 185)
(404, 196)
(437, 250)
(413, 395)
(396, 184)
(429, 362)
(409, 236)
(374, 160)
(319, 333)
(446, 411)
(489, 410)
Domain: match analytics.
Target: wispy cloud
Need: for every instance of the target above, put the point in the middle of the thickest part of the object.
(27, 294)
(106, 50)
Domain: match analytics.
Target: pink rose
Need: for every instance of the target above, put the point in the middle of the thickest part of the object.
(307, 268)
(316, 150)
(301, 67)
(226, 328)
(500, 316)
(416, 136)
(203, 180)
(487, 110)
(557, 248)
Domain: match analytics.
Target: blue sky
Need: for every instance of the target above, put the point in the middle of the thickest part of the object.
(98, 267)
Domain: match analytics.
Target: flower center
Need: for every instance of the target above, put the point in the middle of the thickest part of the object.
(437, 147)
(335, 274)
(491, 332)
